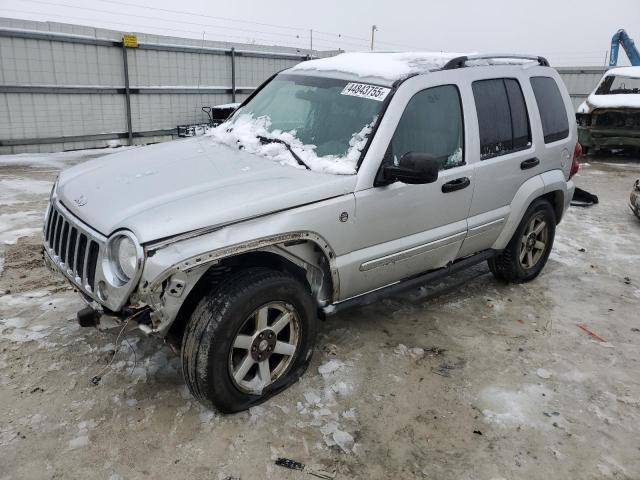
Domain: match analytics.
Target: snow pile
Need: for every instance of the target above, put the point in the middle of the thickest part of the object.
(320, 406)
(402, 350)
(334, 436)
(20, 190)
(57, 160)
(384, 65)
(515, 407)
(20, 224)
(243, 132)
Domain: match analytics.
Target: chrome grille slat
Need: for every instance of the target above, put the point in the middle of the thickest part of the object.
(64, 243)
(74, 248)
(85, 264)
(76, 255)
(58, 234)
(54, 235)
(71, 248)
(47, 225)
(92, 259)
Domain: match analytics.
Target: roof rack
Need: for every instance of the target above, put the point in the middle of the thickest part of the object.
(460, 62)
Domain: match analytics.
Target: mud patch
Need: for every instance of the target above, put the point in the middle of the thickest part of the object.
(24, 268)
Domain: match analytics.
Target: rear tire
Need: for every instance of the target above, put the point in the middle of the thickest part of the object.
(235, 354)
(528, 250)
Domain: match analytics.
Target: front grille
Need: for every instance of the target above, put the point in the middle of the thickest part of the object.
(75, 251)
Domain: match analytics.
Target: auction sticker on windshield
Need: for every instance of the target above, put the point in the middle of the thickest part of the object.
(364, 90)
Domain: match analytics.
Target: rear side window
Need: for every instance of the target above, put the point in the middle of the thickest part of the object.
(503, 120)
(555, 124)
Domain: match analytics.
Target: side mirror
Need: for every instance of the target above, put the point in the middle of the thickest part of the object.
(413, 168)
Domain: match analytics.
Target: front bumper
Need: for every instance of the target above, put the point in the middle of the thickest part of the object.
(608, 137)
(102, 318)
(79, 253)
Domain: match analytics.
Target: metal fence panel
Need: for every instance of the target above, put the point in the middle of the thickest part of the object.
(65, 86)
(580, 81)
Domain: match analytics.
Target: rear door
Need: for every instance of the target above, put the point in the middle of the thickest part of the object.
(507, 157)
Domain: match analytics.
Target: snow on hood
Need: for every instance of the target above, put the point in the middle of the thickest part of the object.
(627, 100)
(621, 100)
(243, 131)
(388, 66)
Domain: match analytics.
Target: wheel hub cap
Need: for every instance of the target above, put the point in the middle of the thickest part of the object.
(263, 345)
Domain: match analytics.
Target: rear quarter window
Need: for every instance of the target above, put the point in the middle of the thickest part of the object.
(503, 120)
(553, 113)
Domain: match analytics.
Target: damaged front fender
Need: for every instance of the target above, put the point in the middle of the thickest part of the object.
(172, 271)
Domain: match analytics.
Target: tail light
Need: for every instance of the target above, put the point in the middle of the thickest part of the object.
(575, 165)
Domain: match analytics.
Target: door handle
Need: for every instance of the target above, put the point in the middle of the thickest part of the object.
(457, 184)
(530, 163)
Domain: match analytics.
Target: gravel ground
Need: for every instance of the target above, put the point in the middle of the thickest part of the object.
(467, 379)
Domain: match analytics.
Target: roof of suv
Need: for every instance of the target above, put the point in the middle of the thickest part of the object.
(387, 67)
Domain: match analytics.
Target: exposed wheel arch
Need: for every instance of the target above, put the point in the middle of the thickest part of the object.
(278, 257)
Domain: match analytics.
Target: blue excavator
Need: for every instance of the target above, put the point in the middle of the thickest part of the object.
(622, 38)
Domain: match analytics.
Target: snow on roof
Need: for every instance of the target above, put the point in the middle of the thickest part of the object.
(388, 66)
(624, 72)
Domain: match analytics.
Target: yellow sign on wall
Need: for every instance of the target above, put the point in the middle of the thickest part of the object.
(130, 41)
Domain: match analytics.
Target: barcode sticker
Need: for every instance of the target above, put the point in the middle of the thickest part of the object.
(363, 90)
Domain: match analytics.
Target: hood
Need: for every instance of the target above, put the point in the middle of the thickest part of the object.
(621, 100)
(176, 187)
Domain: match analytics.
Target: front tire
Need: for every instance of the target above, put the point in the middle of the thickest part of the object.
(249, 339)
(529, 248)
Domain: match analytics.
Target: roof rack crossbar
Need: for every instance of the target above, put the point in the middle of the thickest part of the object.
(461, 62)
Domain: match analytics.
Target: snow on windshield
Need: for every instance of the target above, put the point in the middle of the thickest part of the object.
(244, 132)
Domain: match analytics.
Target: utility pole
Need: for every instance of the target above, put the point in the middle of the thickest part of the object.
(311, 40)
(373, 33)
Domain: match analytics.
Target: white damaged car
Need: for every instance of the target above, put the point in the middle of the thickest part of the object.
(336, 182)
(610, 116)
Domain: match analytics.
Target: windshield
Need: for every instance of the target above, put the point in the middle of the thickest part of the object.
(616, 84)
(324, 122)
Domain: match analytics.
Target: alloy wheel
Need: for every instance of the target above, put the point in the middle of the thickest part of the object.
(534, 241)
(264, 347)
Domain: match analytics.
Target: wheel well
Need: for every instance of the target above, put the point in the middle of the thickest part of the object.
(216, 274)
(556, 199)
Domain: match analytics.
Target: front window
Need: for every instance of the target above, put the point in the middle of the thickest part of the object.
(431, 123)
(617, 84)
(325, 122)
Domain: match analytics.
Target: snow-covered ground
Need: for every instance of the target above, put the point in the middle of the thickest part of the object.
(465, 379)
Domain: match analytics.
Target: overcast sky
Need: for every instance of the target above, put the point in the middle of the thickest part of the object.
(568, 32)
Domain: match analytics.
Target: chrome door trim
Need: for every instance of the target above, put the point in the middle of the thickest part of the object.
(411, 252)
(486, 226)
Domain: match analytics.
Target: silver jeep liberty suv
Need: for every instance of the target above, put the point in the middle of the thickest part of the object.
(336, 182)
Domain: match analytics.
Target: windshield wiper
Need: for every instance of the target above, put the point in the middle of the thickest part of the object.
(266, 140)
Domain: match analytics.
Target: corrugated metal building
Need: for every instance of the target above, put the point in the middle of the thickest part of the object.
(580, 81)
(65, 87)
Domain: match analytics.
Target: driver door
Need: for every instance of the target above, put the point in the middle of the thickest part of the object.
(402, 229)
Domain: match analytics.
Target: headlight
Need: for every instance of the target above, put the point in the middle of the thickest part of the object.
(124, 254)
